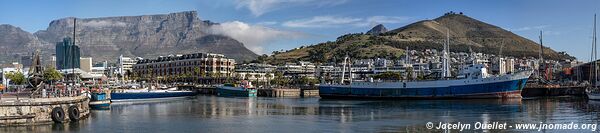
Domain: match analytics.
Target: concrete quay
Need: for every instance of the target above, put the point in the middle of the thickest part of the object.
(534, 90)
(33, 111)
(274, 92)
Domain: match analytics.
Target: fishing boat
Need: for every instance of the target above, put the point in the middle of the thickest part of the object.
(593, 91)
(245, 89)
(99, 100)
(472, 81)
(146, 94)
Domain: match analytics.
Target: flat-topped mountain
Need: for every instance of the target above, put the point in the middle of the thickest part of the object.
(146, 36)
(464, 32)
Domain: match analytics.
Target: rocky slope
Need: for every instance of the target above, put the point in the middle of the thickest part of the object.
(378, 29)
(145, 36)
(14, 42)
(465, 33)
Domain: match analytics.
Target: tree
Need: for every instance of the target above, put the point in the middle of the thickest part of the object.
(280, 79)
(16, 77)
(257, 77)
(196, 73)
(203, 75)
(307, 81)
(51, 74)
(268, 76)
(211, 76)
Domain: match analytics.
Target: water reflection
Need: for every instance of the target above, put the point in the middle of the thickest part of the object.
(218, 114)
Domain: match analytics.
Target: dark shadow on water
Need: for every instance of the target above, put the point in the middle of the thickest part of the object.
(231, 114)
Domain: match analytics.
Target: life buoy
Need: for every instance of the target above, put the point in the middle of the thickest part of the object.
(58, 115)
(74, 113)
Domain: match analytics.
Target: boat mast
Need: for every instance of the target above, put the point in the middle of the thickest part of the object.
(350, 70)
(541, 48)
(73, 52)
(407, 60)
(593, 57)
(473, 58)
(541, 60)
(344, 69)
(595, 53)
(445, 64)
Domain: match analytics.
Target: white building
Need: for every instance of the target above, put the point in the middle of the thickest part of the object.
(5, 80)
(297, 70)
(85, 64)
(125, 64)
(255, 72)
(99, 69)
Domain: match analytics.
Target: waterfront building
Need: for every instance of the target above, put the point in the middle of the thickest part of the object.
(53, 60)
(26, 60)
(297, 70)
(125, 64)
(255, 72)
(213, 66)
(99, 70)
(85, 64)
(67, 54)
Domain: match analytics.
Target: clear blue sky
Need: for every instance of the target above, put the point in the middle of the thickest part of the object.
(287, 24)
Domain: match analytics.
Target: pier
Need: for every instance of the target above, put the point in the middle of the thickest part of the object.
(536, 90)
(33, 111)
(279, 92)
(273, 92)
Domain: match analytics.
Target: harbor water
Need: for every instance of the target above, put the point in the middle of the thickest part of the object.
(224, 114)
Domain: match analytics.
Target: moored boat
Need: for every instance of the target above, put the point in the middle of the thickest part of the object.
(472, 81)
(144, 94)
(476, 84)
(593, 90)
(245, 89)
(593, 93)
(99, 100)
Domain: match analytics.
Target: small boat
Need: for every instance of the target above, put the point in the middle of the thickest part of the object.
(245, 89)
(144, 94)
(593, 93)
(99, 100)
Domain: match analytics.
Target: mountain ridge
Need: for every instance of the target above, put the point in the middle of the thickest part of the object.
(148, 36)
(465, 33)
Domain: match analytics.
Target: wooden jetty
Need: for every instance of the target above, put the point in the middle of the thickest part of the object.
(538, 90)
(273, 92)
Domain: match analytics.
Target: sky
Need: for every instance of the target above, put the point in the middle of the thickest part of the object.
(272, 25)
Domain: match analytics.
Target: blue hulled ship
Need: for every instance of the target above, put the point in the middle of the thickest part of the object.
(474, 83)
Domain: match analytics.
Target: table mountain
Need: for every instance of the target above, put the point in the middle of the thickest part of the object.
(146, 36)
(14, 42)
